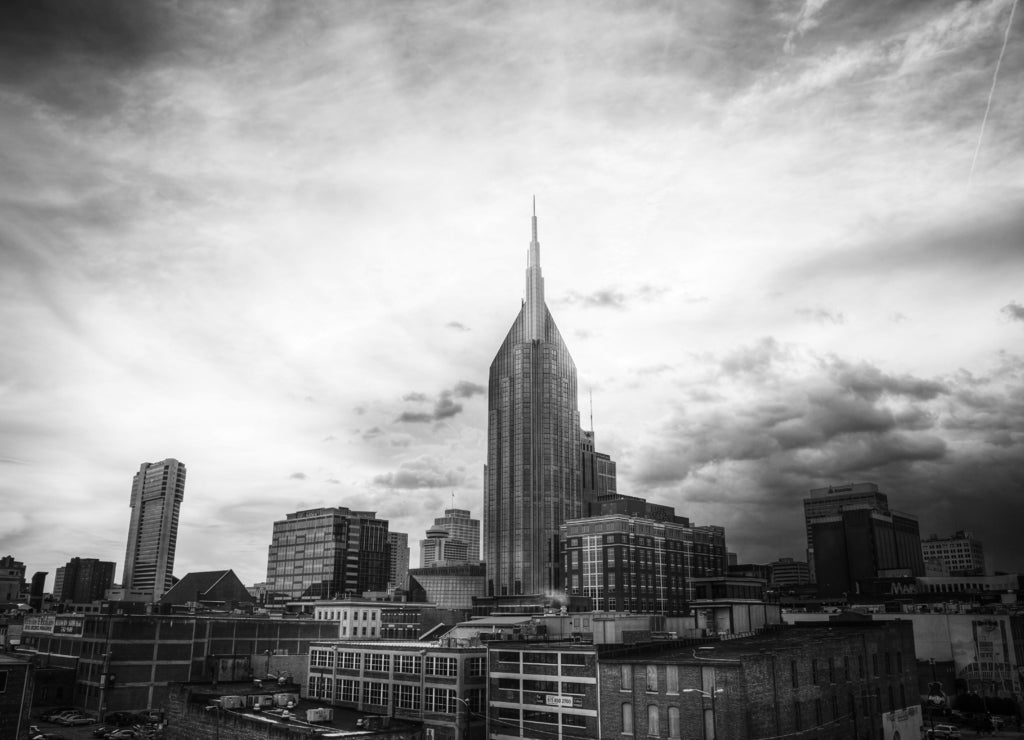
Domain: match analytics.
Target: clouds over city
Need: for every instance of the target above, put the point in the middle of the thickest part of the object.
(237, 234)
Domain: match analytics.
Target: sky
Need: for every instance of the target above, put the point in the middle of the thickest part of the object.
(282, 242)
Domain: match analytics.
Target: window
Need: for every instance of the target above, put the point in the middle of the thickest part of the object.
(508, 714)
(652, 678)
(899, 662)
(888, 663)
(541, 658)
(797, 723)
(846, 667)
(627, 719)
(547, 718)
(508, 683)
(407, 697)
(874, 664)
(792, 670)
(831, 670)
(547, 687)
(375, 693)
(476, 667)
(408, 663)
(506, 656)
(892, 700)
(673, 723)
(441, 666)
(626, 677)
(672, 679)
(348, 690)
(579, 689)
(378, 662)
(653, 721)
(814, 670)
(321, 658)
(574, 720)
(350, 661)
(860, 666)
(574, 659)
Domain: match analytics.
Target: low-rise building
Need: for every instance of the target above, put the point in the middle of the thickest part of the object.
(16, 679)
(443, 684)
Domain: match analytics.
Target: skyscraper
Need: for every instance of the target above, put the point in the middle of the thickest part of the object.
(327, 553)
(532, 477)
(83, 580)
(398, 560)
(157, 491)
(461, 528)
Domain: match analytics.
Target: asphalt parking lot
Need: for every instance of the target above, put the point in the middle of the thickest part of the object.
(82, 732)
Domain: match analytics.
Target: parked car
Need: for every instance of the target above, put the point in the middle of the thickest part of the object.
(103, 730)
(49, 736)
(944, 732)
(74, 720)
(59, 718)
(124, 734)
(121, 719)
(49, 714)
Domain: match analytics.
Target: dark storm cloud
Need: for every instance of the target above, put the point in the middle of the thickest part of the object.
(424, 472)
(444, 405)
(1014, 310)
(949, 450)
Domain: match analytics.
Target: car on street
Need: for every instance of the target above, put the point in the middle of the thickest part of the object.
(944, 732)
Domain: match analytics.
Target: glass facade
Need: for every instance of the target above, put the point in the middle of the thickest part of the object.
(533, 479)
(327, 553)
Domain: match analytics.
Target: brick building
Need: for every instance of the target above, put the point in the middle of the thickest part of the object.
(16, 678)
(840, 680)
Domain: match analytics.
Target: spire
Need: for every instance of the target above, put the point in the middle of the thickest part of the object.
(534, 286)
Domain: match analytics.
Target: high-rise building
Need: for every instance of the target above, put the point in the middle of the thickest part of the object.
(789, 572)
(327, 553)
(961, 553)
(625, 559)
(398, 560)
(157, 491)
(830, 500)
(597, 468)
(533, 482)
(860, 544)
(454, 538)
(83, 580)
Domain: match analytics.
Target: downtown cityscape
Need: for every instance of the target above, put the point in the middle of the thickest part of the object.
(291, 445)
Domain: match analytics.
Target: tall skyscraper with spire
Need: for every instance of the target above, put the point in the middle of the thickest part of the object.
(533, 481)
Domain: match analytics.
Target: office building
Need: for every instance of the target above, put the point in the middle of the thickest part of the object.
(627, 562)
(830, 500)
(597, 469)
(860, 544)
(157, 491)
(452, 587)
(12, 580)
(532, 479)
(789, 572)
(398, 561)
(440, 549)
(83, 580)
(961, 553)
(327, 553)
(461, 526)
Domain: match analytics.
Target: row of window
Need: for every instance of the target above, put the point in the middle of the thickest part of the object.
(410, 664)
(654, 728)
(552, 658)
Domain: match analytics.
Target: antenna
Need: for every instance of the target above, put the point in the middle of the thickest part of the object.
(591, 410)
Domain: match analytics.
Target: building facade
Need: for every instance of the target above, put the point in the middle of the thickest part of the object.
(830, 500)
(625, 562)
(961, 553)
(597, 468)
(541, 690)
(452, 587)
(157, 492)
(860, 544)
(442, 684)
(12, 579)
(83, 580)
(398, 562)
(327, 553)
(460, 525)
(789, 572)
(851, 682)
(533, 481)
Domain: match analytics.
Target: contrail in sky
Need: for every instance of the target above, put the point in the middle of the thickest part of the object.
(995, 76)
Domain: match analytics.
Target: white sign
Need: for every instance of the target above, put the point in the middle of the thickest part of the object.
(558, 701)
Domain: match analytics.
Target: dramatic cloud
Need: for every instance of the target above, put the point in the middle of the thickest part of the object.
(757, 235)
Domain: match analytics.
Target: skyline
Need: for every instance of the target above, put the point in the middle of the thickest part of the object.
(282, 245)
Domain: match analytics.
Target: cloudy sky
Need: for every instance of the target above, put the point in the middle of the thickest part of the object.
(282, 242)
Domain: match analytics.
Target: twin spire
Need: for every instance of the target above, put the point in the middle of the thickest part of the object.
(534, 308)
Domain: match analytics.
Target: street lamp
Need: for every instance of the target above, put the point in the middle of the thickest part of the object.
(465, 729)
(708, 695)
